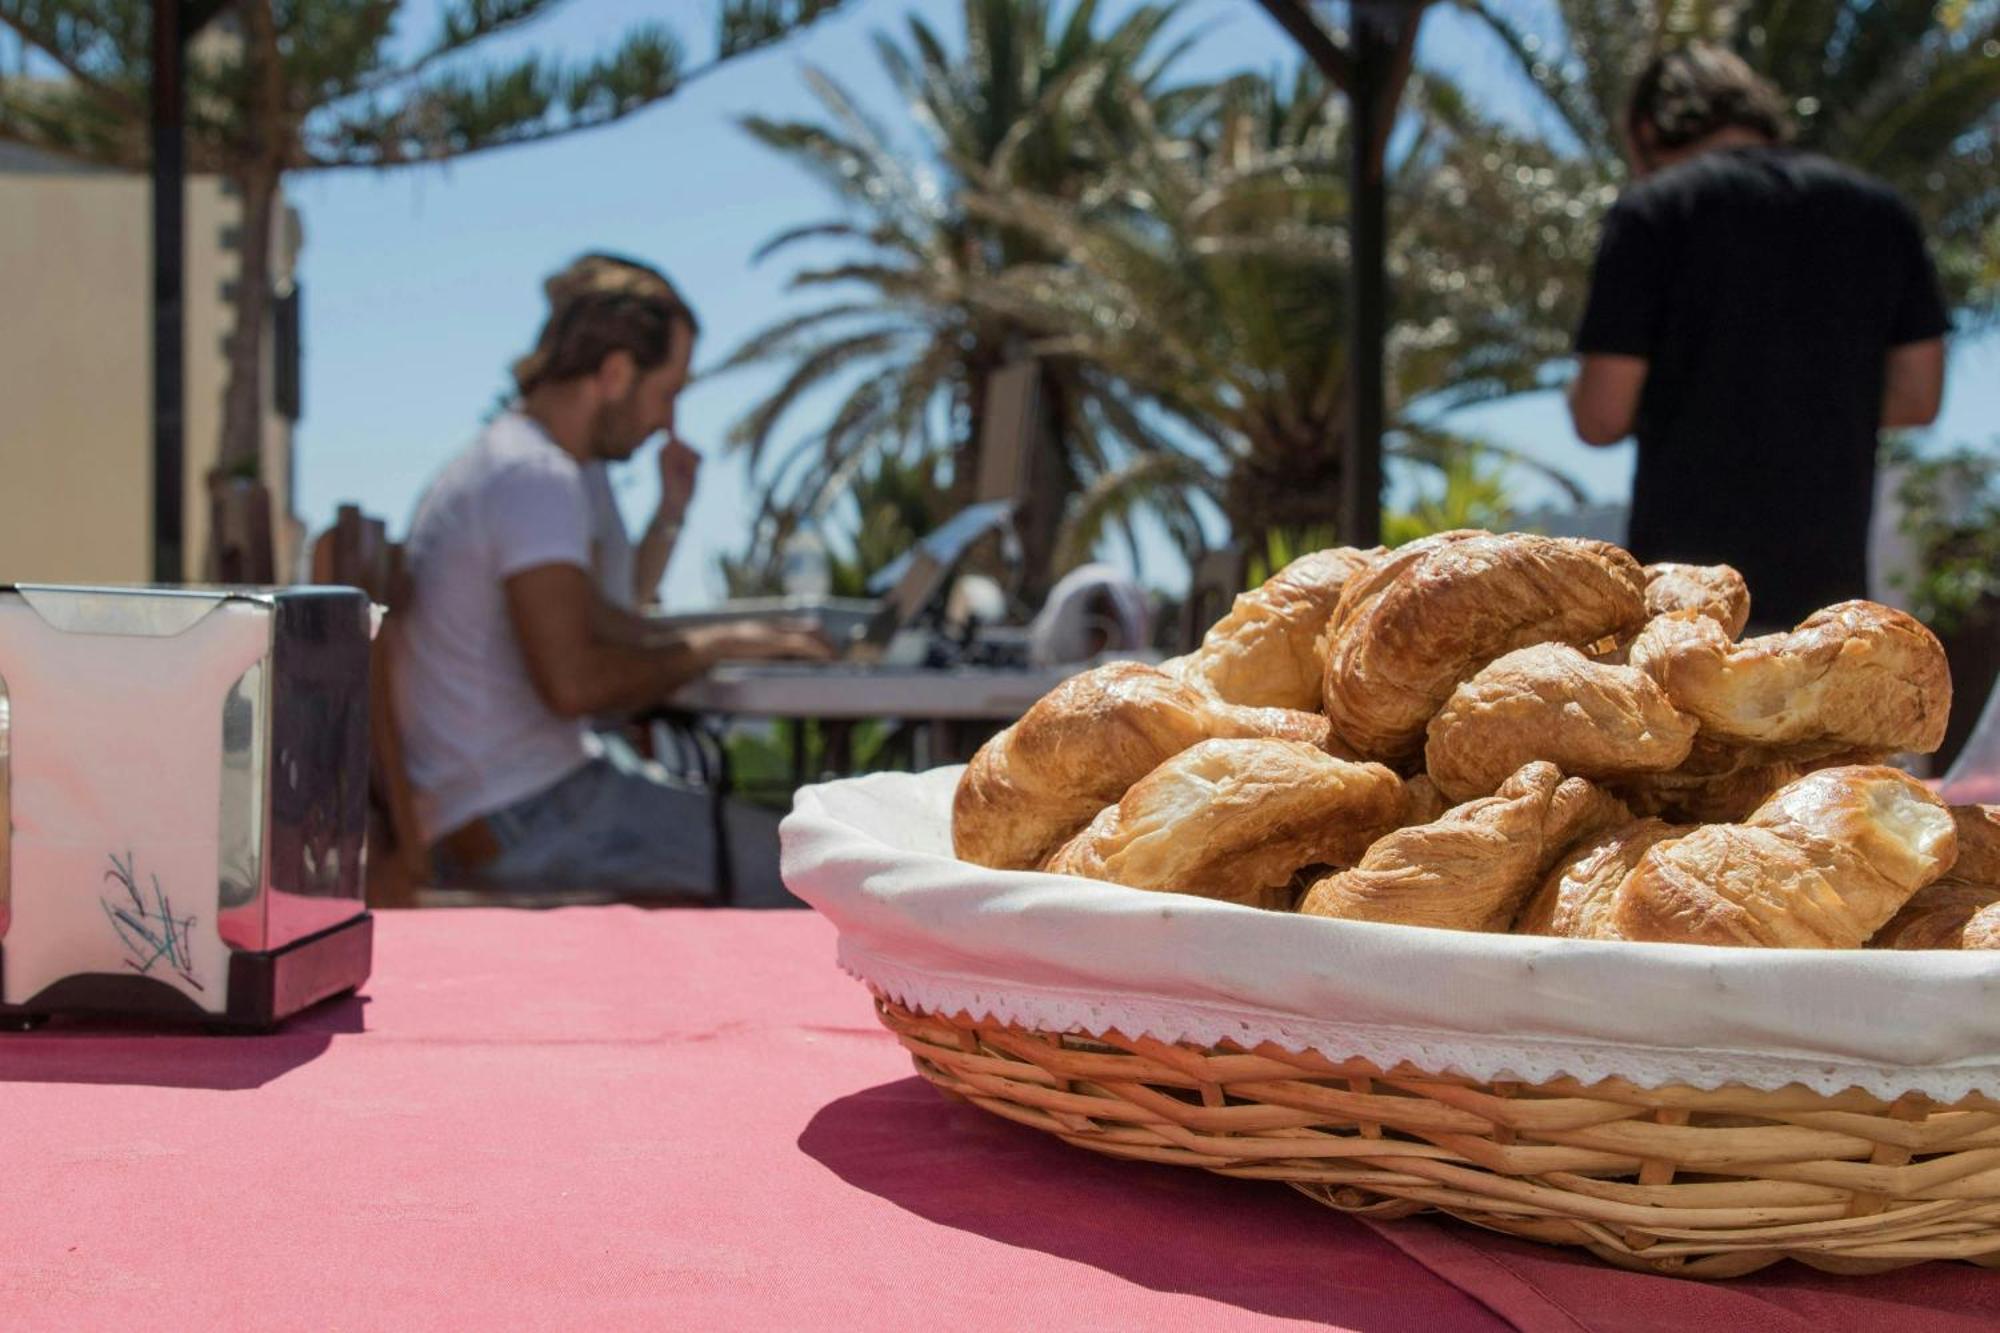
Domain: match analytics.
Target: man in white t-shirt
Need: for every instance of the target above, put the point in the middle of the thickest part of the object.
(508, 645)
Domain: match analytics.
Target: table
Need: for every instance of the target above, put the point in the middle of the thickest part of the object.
(849, 690)
(605, 1117)
(942, 701)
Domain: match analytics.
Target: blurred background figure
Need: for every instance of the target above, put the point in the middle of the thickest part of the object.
(508, 645)
(1756, 315)
(1092, 610)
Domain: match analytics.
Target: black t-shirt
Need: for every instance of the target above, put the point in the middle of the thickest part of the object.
(1765, 287)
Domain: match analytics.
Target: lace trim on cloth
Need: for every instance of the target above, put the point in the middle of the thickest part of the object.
(1080, 1011)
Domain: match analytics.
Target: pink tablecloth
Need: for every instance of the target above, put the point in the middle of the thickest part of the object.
(609, 1118)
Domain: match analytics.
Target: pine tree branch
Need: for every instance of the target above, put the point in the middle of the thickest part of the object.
(647, 54)
(52, 47)
(449, 43)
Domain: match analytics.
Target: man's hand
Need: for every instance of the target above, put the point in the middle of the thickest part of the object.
(761, 641)
(678, 466)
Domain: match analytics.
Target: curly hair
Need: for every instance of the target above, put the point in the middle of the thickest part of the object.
(1685, 95)
(600, 304)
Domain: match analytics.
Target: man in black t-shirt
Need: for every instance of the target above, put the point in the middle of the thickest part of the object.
(1756, 315)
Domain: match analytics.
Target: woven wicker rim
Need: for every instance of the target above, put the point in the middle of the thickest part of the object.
(1668, 1180)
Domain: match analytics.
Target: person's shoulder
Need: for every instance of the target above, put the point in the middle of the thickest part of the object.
(1861, 190)
(512, 448)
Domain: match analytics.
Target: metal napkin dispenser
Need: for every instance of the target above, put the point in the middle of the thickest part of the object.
(183, 801)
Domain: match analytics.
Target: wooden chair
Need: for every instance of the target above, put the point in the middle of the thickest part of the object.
(356, 552)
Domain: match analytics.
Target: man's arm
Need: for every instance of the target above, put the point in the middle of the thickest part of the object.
(679, 465)
(1913, 384)
(579, 672)
(587, 657)
(1604, 396)
(651, 557)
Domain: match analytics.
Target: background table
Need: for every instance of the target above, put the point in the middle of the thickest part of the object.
(941, 713)
(603, 1117)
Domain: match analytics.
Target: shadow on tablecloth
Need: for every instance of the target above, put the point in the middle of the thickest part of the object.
(1251, 1244)
(1552, 1287)
(175, 1057)
(1264, 1248)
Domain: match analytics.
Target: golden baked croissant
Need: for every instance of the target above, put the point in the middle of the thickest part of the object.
(1035, 784)
(1855, 675)
(1267, 652)
(1983, 930)
(1470, 869)
(1822, 864)
(1426, 801)
(1716, 591)
(1575, 900)
(1938, 917)
(1549, 701)
(1961, 910)
(1978, 843)
(1236, 819)
(1718, 783)
(1424, 618)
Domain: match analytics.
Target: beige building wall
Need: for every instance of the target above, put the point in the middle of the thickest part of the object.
(76, 436)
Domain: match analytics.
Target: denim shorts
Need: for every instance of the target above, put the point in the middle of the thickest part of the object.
(616, 822)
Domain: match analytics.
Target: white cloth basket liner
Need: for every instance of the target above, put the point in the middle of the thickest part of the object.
(1060, 954)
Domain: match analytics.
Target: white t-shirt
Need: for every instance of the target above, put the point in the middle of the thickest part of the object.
(611, 544)
(476, 736)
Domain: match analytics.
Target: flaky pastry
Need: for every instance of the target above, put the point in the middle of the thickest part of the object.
(1937, 915)
(1716, 591)
(1470, 869)
(1961, 910)
(1549, 701)
(1236, 819)
(1978, 843)
(1031, 787)
(1268, 651)
(1718, 783)
(1855, 675)
(1823, 864)
(1426, 801)
(1575, 900)
(1428, 615)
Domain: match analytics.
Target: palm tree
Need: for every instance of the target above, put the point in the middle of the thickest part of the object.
(902, 342)
(1207, 273)
(1907, 90)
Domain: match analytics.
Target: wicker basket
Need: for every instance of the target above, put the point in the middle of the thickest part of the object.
(1664, 1180)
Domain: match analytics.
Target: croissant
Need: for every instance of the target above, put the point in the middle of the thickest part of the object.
(1426, 801)
(1978, 843)
(1549, 701)
(1470, 869)
(1938, 917)
(1822, 864)
(1267, 652)
(1983, 930)
(1236, 819)
(1962, 910)
(1425, 617)
(1718, 783)
(1857, 675)
(1716, 591)
(1576, 898)
(1031, 787)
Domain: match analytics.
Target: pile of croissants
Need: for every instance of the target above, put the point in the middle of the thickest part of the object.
(1510, 732)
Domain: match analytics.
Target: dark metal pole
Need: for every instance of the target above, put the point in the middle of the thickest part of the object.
(1372, 47)
(169, 356)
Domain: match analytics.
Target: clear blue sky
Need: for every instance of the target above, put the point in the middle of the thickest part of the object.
(422, 285)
